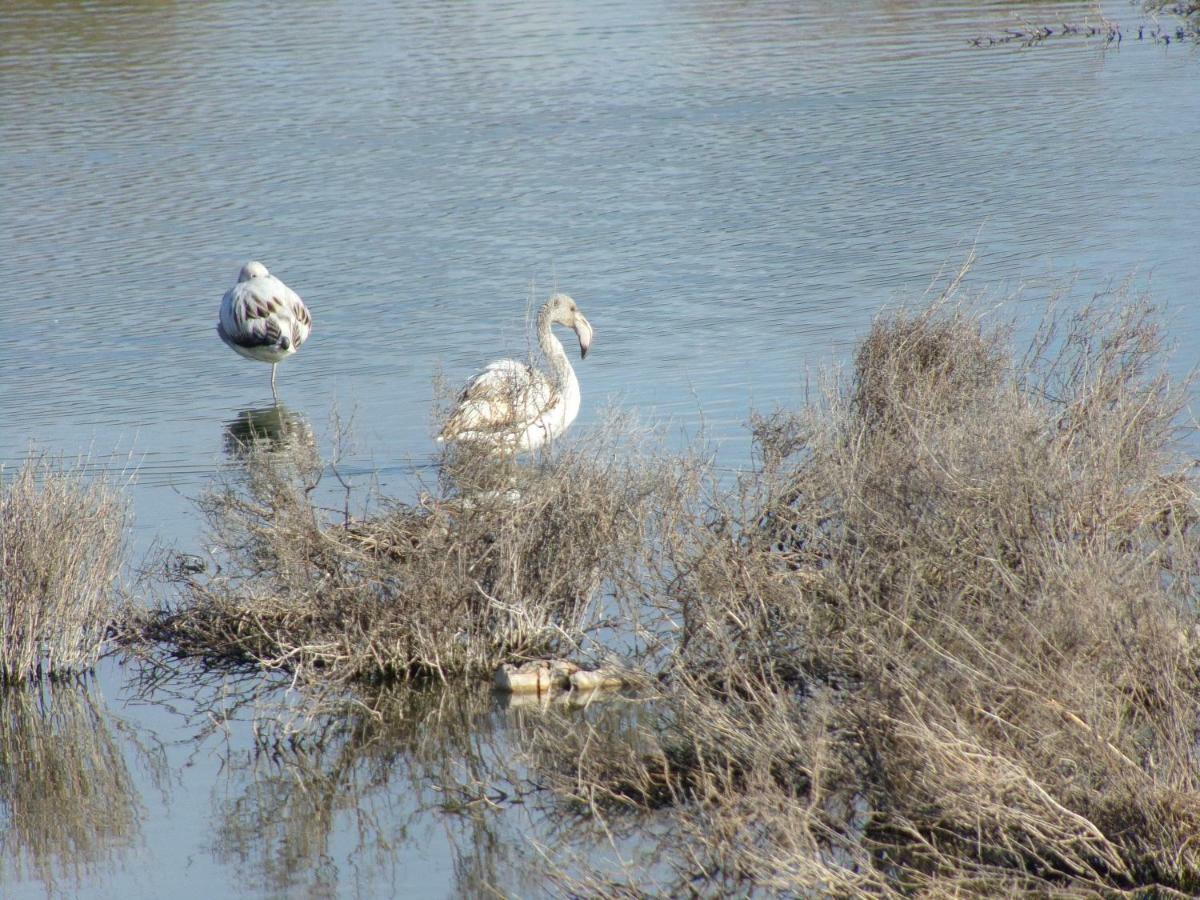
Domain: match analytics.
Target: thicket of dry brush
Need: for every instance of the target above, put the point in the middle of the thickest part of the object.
(945, 641)
(62, 540)
(942, 639)
(505, 562)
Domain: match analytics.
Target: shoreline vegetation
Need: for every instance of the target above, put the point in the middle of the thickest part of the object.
(941, 638)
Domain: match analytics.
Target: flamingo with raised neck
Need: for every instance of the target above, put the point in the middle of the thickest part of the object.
(512, 407)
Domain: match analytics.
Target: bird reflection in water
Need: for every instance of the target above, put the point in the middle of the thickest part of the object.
(271, 429)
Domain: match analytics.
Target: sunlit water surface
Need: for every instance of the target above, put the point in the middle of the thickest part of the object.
(730, 191)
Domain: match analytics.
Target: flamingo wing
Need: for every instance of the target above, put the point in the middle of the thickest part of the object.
(264, 313)
(505, 398)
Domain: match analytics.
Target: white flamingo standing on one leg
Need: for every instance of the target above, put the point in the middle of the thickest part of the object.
(262, 318)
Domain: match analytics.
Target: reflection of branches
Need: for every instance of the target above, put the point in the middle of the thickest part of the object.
(209, 702)
(322, 795)
(336, 771)
(66, 796)
(609, 773)
(380, 773)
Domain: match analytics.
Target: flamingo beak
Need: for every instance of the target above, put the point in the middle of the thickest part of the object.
(583, 330)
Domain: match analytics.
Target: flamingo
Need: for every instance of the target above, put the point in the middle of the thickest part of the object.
(512, 407)
(262, 318)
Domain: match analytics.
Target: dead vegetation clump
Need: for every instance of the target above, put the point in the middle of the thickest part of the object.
(61, 546)
(945, 638)
(505, 562)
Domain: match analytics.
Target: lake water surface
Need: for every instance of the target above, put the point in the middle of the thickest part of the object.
(731, 191)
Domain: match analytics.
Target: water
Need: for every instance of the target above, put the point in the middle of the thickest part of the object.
(730, 192)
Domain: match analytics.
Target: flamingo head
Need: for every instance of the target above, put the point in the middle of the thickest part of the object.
(252, 269)
(565, 311)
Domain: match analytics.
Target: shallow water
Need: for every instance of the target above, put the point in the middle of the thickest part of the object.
(730, 191)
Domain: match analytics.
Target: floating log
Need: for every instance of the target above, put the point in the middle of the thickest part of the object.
(540, 676)
(537, 676)
(583, 680)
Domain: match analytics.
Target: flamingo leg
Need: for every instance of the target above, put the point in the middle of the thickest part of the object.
(273, 394)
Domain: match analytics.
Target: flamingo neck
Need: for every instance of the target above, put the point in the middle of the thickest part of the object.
(552, 348)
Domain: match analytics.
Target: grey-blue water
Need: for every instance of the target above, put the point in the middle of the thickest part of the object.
(730, 190)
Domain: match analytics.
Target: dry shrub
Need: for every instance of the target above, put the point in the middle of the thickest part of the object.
(506, 561)
(61, 548)
(935, 363)
(944, 639)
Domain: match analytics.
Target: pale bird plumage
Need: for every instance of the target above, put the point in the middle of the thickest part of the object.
(262, 318)
(511, 407)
